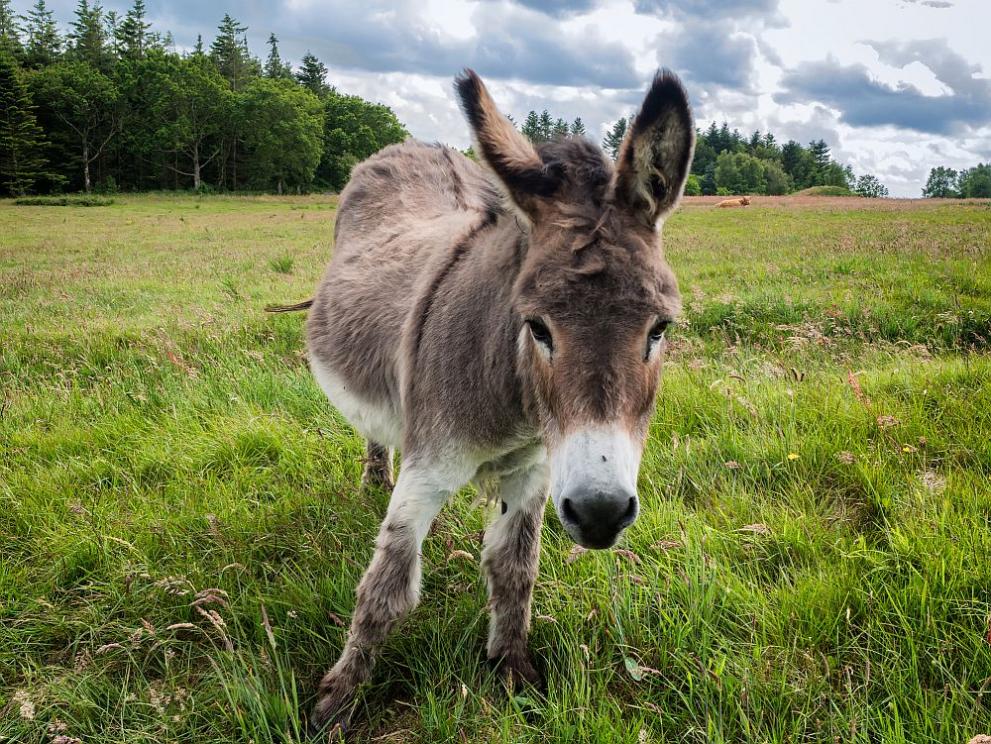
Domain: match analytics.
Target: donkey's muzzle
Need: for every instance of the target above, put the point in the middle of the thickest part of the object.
(594, 518)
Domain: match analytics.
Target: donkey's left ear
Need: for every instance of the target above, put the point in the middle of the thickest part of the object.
(656, 154)
(507, 152)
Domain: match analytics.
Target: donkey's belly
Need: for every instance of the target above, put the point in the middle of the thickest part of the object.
(377, 421)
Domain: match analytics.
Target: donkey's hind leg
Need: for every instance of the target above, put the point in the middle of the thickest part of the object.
(390, 587)
(509, 560)
(378, 466)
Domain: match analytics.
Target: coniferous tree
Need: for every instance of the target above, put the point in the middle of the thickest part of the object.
(560, 128)
(798, 164)
(134, 31)
(111, 22)
(230, 51)
(43, 43)
(819, 151)
(546, 125)
(312, 75)
(275, 67)
(531, 127)
(10, 37)
(88, 38)
(614, 138)
(578, 127)
(22, 162)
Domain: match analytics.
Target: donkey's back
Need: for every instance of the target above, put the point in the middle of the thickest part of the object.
(396, 222)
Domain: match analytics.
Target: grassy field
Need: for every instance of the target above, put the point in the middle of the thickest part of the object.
(181, 528)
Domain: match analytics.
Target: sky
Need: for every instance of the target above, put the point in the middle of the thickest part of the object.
(896, 87)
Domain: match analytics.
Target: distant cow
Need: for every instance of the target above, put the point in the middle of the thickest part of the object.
(742, 201)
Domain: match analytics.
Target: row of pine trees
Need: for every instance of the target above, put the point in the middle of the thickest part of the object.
(111, 104)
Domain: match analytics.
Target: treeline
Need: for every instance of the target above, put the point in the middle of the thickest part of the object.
(111, 104)
(970, 183)
(727, 163)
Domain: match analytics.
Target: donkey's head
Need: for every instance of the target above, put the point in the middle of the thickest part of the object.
(594, 296)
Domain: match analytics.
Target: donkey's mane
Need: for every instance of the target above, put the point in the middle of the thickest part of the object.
(580, 168)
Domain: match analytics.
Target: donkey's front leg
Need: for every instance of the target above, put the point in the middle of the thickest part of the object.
(509, 559)
(389, 589)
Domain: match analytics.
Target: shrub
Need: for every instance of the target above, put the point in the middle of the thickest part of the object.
(63, 201)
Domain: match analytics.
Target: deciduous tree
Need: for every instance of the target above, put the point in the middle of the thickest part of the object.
(975, 182)
(84, 100)
(354, 129)
(285, 135)
(191, 107)
(868, 185)
(941, 184)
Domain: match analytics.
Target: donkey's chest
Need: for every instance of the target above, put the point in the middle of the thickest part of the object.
(378, 420)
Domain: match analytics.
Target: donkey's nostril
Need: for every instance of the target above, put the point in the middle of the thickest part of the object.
(629, 515)
(568, 509)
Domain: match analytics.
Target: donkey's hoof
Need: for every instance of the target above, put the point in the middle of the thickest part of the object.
(335, 733)
(332, 711)
(518, 671)
(327, 723)
(378, 481)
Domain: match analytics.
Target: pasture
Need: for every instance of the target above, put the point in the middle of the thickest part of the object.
(181, 528)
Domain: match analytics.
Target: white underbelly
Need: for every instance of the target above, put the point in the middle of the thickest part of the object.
(380, 423)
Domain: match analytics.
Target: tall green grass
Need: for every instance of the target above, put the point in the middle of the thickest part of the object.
(181, 528)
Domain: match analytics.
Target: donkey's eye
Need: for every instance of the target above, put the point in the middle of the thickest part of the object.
(655, 336)
(540, 333)
(658, 330)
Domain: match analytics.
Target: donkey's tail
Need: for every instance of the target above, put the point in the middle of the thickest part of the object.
(304, 305)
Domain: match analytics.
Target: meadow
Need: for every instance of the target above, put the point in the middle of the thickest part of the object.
(181, 527)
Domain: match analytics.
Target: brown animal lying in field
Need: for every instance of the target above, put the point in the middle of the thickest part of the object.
(742, 201)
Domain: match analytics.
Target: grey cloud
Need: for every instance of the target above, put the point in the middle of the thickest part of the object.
(713, 9)
(560, 8)
(757, 13)
(509, 42)
(709, 54)
(947, 65)
(864, 101)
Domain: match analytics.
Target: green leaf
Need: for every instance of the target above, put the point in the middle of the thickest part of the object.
(633, 668)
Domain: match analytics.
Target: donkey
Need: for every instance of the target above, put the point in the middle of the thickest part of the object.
(501, 323)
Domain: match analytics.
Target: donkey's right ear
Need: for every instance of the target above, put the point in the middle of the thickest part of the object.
(508, 153)
(656, 155)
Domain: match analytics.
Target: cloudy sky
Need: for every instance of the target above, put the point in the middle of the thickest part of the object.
(895, 86)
